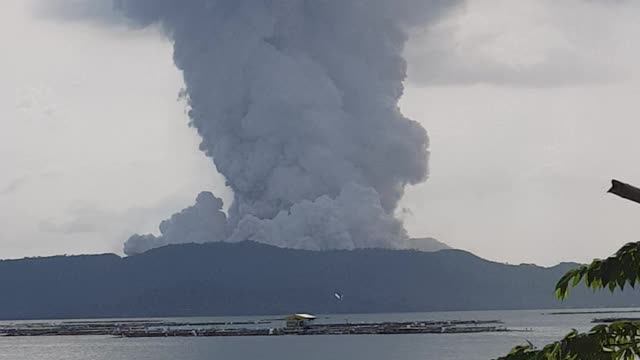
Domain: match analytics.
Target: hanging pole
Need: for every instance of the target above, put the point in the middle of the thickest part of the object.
(626, 191)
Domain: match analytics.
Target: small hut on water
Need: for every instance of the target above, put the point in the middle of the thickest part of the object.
(299, 321)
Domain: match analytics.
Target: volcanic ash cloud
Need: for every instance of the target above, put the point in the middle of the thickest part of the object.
(296, 102)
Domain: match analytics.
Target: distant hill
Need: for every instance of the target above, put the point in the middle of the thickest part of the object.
(250, 278)
(427, 245)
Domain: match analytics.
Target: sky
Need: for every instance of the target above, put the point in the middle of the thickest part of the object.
(530, 105)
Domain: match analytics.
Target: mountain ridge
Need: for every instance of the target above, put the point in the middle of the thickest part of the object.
(217, 279)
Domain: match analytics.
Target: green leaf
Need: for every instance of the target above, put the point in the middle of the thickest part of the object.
(616, 341)
(614, 272)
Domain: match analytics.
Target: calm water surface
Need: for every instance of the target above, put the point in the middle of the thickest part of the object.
(543, 328)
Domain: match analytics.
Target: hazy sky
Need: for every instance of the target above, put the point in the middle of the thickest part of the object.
(531, 107)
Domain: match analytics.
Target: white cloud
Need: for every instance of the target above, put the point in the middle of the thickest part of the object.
(89, 115)
(538, 113)
(531, 43)
(88, 11)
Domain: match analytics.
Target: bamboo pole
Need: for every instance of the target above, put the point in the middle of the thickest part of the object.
(625, 191)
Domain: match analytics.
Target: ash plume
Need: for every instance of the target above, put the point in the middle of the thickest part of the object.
(296, 102)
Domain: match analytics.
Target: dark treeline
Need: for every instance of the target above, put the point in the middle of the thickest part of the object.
(249, 278)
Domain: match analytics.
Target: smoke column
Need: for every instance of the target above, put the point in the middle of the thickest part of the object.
(296, 102)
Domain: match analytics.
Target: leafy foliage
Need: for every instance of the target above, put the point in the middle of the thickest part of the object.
(614, 272)
(617, 341)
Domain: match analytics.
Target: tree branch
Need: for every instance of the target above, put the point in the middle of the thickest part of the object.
(625, 191)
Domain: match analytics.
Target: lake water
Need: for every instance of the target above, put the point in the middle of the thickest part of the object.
(542, 327)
